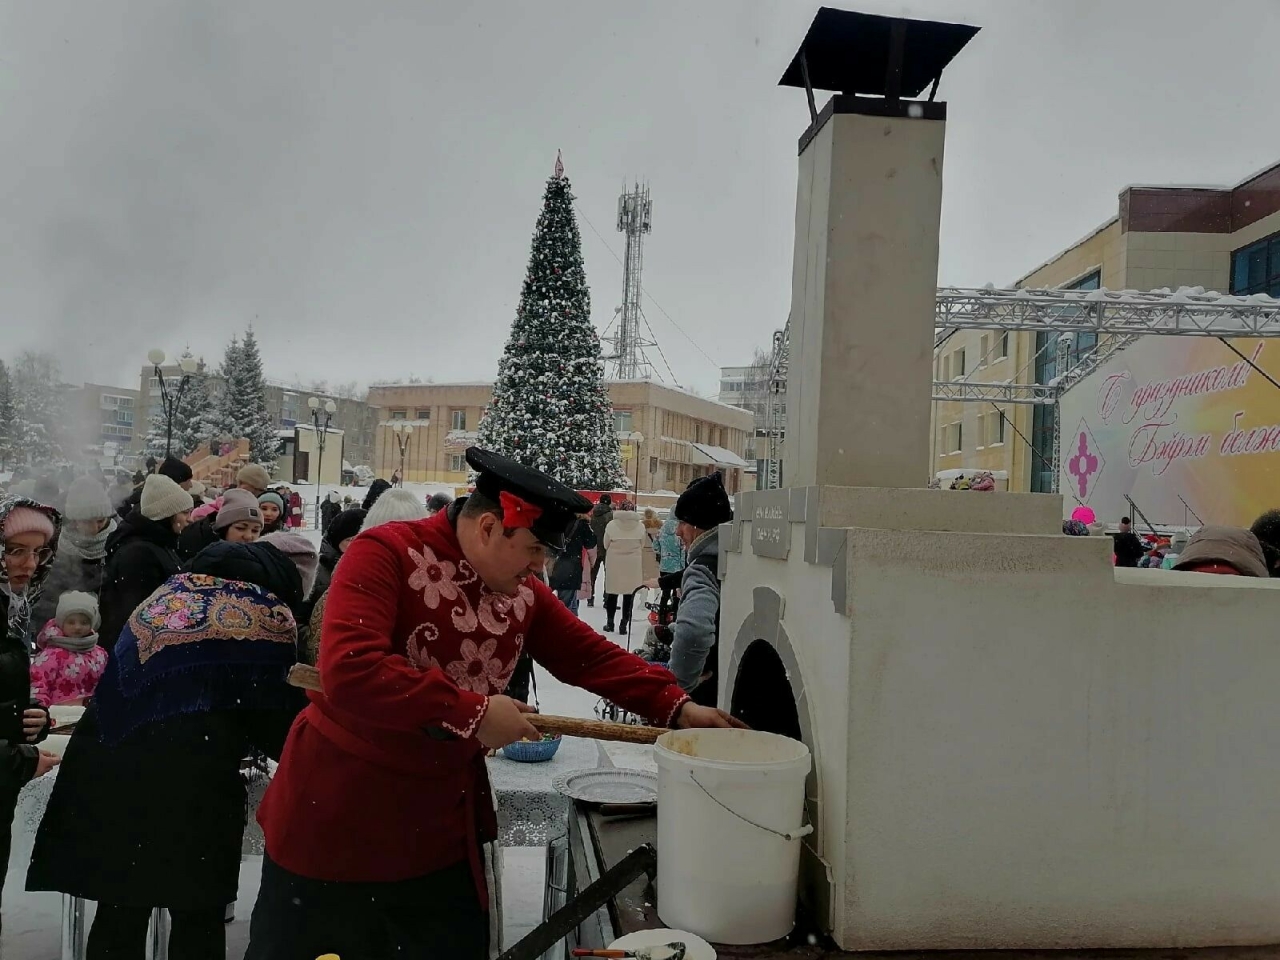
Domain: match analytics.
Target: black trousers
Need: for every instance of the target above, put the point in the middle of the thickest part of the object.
(120, 933)
(611, 606)
(436, 917)
(595, 572)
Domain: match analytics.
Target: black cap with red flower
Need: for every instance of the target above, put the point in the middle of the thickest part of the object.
(529, 498)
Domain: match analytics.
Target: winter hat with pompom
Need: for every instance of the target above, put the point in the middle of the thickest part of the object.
(162, 498)
(28, 520)
(76, 601)
(301, 552)
(87, 500)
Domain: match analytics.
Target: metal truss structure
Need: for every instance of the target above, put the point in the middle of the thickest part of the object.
(1118, 317)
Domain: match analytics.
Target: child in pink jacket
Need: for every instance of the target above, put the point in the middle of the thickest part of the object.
(69, 663)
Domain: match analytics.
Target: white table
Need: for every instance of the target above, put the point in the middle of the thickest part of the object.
(531, 813)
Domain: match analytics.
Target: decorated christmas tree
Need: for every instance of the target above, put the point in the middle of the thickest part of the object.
(550, 407)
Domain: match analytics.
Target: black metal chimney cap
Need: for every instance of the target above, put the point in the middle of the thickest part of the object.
(850, 52)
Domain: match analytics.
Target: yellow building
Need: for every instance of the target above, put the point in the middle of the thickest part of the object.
(684, 436)
(1224, 239)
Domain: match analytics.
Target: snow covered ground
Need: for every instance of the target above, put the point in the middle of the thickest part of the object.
(32, 921)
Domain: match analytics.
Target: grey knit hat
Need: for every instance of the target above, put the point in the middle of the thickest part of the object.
(162, 498)
(87, 500)
(237, 505)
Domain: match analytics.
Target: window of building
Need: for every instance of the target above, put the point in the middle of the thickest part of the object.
(697, 433)
(1256, 268)
(622, 421)
(957, 364)
(399, 414)
(995, 428)
(422, 413)
(457, 419)
(984, 348)
(457, 463)
(954, 437)
(1046, 369)
(1002, 346)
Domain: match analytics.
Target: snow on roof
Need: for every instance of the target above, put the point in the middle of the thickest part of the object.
(677, 389)
(1057, 256)
(1178, 186)
(718, 456)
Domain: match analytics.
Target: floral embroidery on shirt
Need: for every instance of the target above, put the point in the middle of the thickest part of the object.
(479, 670)
(416, 646)
(496, 610)
(434, 577)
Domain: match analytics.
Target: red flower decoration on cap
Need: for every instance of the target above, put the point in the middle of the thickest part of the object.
(517, 514)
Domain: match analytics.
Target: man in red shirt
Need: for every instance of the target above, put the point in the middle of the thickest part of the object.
(375, 819)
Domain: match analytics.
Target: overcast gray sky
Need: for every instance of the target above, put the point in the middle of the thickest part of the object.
(361, 180)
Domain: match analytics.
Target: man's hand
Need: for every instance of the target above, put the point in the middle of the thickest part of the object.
(692, 715)
(504, 722)
(46, 762)
(33, 722)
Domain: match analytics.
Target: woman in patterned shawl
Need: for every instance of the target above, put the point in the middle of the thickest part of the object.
(149, 807)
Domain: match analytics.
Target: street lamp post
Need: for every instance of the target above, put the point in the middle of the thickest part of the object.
(330, 408)
(637, 439)
(402, 432)
(187, 364)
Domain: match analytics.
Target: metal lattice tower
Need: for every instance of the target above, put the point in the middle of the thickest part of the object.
(628, 359)
(1117, 317)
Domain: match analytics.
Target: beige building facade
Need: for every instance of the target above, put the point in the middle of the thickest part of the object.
(1226, 240)
(685, 436)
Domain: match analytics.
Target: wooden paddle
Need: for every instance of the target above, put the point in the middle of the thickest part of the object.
(308, 678)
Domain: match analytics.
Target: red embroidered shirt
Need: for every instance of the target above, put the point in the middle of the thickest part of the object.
(413, 640)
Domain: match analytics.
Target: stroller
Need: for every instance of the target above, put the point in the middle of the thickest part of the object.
(662, 605)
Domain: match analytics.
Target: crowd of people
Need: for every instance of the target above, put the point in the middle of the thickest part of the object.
(1213, 548)
(173, 612)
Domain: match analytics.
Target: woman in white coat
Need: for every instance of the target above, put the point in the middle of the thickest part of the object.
(624, 544)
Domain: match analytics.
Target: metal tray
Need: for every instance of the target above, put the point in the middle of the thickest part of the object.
(609, 785)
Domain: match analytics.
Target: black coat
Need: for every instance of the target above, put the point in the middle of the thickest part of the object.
(141, 555)
(566, 572)
(158, 818)
(1129, 549)
(130, 503)
(328, 510)
(198, 535)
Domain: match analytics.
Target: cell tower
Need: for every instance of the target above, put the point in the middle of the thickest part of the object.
(628, 359)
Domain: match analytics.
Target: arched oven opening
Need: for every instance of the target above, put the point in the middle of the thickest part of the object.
(762, 695)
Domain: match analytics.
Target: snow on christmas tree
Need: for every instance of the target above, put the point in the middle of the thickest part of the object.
(242, 407)
(193, 423)
(37, 400)
(10, 455)
(550, 409)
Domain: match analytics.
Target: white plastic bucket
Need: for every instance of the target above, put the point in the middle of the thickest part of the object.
(730, 819)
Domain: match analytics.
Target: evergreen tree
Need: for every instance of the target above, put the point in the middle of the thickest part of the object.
(10, 455)
(37, 399)
(550, 409)
(192, 419)
(242, 407)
